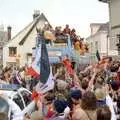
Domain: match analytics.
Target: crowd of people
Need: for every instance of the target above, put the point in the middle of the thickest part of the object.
(91, 94)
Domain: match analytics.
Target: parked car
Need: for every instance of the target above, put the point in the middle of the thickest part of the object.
(19, 101)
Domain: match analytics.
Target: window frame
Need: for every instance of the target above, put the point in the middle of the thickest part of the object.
(14, 50)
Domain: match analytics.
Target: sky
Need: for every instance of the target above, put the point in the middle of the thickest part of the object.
(77, 13)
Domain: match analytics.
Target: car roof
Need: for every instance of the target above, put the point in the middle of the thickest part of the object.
(8, 93)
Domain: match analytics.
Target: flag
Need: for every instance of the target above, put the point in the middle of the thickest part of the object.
(49, 85)
(47, 81)
(34, 70)
(44, 62)
(41, 67)
(98, 55)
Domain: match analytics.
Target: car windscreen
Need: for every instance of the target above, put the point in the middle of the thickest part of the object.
(18, 100)
(26, 96)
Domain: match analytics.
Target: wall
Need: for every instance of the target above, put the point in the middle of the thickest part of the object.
(29, 44)
(93, 39)
(24, 49)
(114, 6)
(103, 44)
(94, 28)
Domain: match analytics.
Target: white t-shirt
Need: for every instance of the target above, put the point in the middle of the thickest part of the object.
(110, 104)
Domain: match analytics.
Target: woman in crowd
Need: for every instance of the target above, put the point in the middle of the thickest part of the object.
(103, 113)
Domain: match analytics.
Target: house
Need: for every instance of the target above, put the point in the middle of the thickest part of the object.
(99, 39)
(18, 51)
(114, 8)
(5, 36)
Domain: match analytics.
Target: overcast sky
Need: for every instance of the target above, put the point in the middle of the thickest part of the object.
(77, 13)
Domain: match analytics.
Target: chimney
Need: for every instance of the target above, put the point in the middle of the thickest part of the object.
(36, 14)
(9, 32)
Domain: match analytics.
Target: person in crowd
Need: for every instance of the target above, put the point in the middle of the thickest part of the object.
(16, 77)
(66, 30)
(61, 89)
(73, 34)
(78, 46)
(103, 113)
(58, 31)
(77, 113)
(48, 101)
(89, 105)
(6, 76)
(101, 97)
(22, 75)
(37, 115)
(59, 106)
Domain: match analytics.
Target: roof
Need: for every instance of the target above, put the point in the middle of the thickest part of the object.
(104, 27)
(40, 17)
(105, 1)
(28, 29)
(96, 24)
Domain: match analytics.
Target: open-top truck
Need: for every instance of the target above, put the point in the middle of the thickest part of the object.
(61, 47)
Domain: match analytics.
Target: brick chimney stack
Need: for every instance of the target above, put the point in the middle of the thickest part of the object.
(9, 32)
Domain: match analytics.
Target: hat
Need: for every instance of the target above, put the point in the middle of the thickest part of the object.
(115, 85)
(100, 94)
(76, 94)
(60, 105)
(61, 85)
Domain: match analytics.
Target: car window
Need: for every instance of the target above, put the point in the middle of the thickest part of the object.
(26, 96)
(18, 100)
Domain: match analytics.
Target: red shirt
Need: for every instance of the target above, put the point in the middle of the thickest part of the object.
(66, 31)
(68, 66)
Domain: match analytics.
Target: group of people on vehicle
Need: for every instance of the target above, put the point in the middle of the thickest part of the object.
(78, 43)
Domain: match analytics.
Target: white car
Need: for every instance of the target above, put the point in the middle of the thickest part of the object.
(19, 101)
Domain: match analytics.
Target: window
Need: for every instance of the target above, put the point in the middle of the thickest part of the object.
(18, 100)
(96, 45)
(12, 51)
(27, 97)
(91, 47)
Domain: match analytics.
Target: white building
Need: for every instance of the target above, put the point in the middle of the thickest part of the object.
(18, 51)
(114, 9)
(99, 39)
(5, 36)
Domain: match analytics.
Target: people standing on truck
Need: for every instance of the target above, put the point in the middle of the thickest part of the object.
(58, 31)
(73, 36)
(66, 30)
